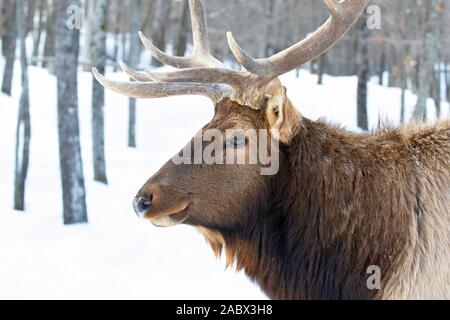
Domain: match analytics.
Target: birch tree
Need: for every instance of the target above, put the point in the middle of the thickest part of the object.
(159, 28)
(23, 131)
(38, 36)
(98, 57)
(427, 17)
(183, 31)
(49, 45)
(9, 46)
(133, 60)
(363, 66)
(71, 165)
(90, 8)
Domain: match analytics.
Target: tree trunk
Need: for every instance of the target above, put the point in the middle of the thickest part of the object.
(30, 11)
(23, 132)
(420, 111)
(118, 18)
(124, 22)
(3, 7)
(404, 72)
(133, 59)
(87, 47)
(268, 51)
(159, 28)
(312, 67)
(447, 82)
(49, 46)
(38, 37)
(71, 165)
(132, 123)
(427, 57)
(363, 75)
(356, 53)
(148, 7)
(98, 58)
(183, 32)
(394, 74)
(382, 64)
(436, 89)
(115, 56)
(414, 76)
(322, 63)
(9, 44)
(403, 104)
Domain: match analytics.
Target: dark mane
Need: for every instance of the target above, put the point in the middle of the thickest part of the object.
(342, 203)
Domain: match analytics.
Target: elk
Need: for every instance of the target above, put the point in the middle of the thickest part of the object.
(340, 202)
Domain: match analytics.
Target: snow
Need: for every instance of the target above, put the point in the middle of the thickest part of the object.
(116, 255)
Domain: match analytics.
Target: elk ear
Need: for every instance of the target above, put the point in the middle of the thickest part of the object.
(282, 116)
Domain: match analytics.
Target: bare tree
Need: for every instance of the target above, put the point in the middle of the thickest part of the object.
(133, 59)
(2, 18)
(30, 12)
(427, 17)
(363, 67)
(39, 28)
(98, 57)
(9, 46)
(49, 45)
(159, 28)
(124, 23)
(67, 50)
(269, 12)
(436, 83)
(183, 31)
(117, 19)
(23, 131)
(447, 81)
(87, 40)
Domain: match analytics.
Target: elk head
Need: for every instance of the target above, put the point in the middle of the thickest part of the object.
(212, 195)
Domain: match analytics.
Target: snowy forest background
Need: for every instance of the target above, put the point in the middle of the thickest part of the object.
(72, 156)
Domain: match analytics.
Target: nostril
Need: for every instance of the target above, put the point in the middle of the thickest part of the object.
(142, 205)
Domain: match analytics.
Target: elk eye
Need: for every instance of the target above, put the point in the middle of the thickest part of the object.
(237, 140)
(277, 112)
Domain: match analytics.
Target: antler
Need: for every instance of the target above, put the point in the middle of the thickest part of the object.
(202, 56)
(203, 74)
(160, 89)
(343, 15)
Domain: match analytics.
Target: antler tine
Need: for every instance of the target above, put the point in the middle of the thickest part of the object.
(332, 6)
(260, 67)
(203, 75)
(177, 62)
(199, 26)
(202, 57)
(134, 74)
(343, 16)
(198, 75)
(200, 33)
(144, 90)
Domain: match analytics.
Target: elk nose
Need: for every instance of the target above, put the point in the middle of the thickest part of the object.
(141, 205)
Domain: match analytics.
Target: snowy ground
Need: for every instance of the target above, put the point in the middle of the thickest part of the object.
(117, 256)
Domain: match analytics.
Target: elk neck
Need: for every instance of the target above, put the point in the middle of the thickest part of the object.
(322, 225)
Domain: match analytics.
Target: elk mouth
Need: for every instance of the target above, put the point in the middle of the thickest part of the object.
(169, 218)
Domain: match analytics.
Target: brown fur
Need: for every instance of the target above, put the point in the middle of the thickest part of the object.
(341, 202)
